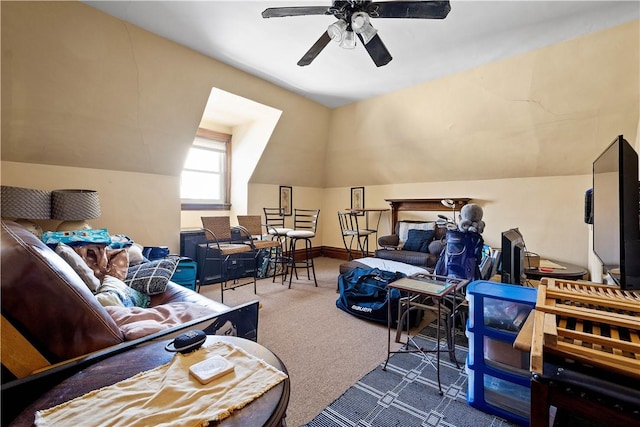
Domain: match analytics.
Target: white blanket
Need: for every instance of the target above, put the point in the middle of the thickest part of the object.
(393, 266)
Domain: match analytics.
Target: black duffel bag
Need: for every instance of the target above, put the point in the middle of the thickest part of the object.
(363, 293)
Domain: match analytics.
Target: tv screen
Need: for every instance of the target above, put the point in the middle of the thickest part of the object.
(616, 213)
(513, 249)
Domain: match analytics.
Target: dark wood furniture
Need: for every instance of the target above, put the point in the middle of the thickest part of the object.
(569, 272)
(398, 205)
(267, 410)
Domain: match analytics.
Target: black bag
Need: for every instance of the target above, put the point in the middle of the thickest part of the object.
(461, 256)
(363, 293)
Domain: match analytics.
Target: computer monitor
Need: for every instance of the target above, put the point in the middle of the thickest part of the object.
(513, 249)
(616, 230)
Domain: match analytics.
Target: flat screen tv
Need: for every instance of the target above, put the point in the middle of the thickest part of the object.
(513, 249)
(616, 213)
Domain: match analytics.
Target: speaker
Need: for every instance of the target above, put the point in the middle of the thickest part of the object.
(588, 206)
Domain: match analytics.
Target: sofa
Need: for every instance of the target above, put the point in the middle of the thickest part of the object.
(52, 323)
(417, 243)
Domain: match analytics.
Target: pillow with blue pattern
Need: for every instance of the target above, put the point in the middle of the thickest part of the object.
(418, 240)
(152, 277)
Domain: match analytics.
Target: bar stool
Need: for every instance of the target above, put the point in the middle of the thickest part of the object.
(352, 233)
(305, 223)
(274, 224)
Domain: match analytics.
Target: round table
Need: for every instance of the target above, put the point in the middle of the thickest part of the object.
(570, 272)
(267, 410)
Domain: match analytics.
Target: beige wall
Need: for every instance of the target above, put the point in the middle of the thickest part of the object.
(549, 211)
(549, 112)
(92, 102)
(139, 205)
(82, 89)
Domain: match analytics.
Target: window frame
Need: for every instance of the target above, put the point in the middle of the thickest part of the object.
(226, 205)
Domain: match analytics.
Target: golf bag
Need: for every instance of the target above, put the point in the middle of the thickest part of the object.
(461, 256)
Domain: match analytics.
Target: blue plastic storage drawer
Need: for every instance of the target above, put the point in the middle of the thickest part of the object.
(185, 273)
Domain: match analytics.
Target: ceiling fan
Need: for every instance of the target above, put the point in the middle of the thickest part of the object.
(354, 19)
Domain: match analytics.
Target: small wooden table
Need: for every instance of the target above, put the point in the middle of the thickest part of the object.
(436, 288)
(267, 410)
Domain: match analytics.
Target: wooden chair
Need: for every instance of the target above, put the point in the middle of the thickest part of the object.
(224, 259)
(305, 224)
(252, 225)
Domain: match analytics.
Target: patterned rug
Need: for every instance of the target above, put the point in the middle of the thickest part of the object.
(406, 394)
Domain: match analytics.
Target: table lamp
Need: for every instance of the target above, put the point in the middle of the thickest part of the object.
(451, 205)
(74, 208)
(24, 205)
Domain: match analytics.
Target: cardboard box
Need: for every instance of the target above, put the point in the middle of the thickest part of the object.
(531, 260)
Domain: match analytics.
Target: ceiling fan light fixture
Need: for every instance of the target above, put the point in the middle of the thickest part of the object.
(361, 24)
(349, 40)
(337, 30)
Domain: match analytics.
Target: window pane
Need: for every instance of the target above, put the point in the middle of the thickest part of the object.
(203, 160)
(199, 185)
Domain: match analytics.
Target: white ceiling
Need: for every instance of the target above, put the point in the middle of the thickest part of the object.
(474, 33)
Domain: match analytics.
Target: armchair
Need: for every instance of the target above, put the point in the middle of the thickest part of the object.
(417, 243)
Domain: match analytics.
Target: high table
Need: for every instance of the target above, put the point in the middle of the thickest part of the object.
(267, 410)
(366, 220)
(428, 286)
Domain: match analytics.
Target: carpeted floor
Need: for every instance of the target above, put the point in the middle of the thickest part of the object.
(406, 394)
(325, 350)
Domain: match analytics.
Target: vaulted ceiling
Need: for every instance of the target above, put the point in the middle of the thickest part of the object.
(474, 33)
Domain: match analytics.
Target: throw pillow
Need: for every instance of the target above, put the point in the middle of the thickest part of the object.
(114, 291)
(405, 226)
(135, 254)
(151, 277)
(418, 240)
(104, 261)
(79, 266)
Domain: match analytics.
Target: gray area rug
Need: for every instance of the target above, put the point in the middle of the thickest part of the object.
(406, 394)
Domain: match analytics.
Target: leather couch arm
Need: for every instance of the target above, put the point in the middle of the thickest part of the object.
(45, 299)
(177, 293)
(389, 242)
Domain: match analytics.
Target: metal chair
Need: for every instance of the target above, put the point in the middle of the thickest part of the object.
(305, 224)
(351, 233)
(225, 257)
(275, 227)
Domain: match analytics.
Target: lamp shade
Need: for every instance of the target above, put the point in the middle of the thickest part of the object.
(75, 205)
(25, 203)
(337, 30)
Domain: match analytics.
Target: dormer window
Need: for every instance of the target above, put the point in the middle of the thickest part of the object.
(206, 176)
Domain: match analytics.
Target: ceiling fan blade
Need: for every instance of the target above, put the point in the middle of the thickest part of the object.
(317, 47)
(279, 12)
(377, 50)
(409, 9)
